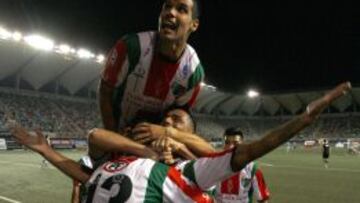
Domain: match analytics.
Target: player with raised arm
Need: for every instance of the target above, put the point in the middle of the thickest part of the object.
(133, 179)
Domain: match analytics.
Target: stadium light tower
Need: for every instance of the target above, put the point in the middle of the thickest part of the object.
(252, 93)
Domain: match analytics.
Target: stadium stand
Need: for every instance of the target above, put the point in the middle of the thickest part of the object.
(64, 118)
(72, 118)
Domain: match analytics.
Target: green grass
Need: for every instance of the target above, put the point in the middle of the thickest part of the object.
(296, 177)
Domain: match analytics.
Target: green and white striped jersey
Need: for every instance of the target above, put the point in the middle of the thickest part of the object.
(145, 82)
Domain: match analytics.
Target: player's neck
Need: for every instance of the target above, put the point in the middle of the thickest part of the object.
(170, 49)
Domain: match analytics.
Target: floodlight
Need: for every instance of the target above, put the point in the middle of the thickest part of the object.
(4, 34)
(83, 53)
(100, 58)
(252, 93)
(39, 42)
(17, 36)
(64, 49)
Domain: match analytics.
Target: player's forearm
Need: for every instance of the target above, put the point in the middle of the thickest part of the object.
(184, 152)
(277, 136)
(65, 165)
(106, 107)
(194, 143)
(75, 196)
(271, 140)
(108, 141)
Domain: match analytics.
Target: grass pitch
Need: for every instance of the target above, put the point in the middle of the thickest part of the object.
(297, 177)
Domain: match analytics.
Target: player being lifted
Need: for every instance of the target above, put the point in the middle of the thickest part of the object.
(133, 179)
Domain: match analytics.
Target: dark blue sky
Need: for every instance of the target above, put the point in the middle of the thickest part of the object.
(276, 47)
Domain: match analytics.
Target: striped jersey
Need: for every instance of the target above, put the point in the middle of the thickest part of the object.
(131, 179)
(241, 187)
(145, 82)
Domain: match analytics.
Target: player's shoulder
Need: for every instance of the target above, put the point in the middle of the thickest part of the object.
(139, 37)
(190, 54)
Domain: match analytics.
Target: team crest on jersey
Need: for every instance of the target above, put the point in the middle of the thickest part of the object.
(114, 166)
(185, 71)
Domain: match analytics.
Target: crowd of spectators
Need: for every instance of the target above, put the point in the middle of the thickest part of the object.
(73, 118)
(345, 125)
(64, 118)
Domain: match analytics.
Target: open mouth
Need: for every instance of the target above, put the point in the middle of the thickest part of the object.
(169, 25)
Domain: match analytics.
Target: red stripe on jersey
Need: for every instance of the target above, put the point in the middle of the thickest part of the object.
(265, 194)
(231, 185)
(160, 75)
(217, 154)
(193, 192)
(127, 159)
(114, 62)
(193, 97)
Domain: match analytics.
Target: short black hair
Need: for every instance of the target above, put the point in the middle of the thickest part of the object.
(187, 110)
(234, 131)
(196, 9)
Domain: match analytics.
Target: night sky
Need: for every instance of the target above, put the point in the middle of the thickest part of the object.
(274, 47)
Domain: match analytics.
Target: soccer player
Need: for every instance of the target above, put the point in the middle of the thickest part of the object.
(241, 187)
(149, 71)
(326, 152)
(133, 179)
(177, 124)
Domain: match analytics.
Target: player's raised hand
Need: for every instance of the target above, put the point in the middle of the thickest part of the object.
(35, 142)
(314, 109)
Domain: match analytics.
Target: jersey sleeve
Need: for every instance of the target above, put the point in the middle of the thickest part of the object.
(188, 99)
(113, 69)
(261, 191)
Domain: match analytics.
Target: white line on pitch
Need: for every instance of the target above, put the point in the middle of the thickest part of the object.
(8, 199)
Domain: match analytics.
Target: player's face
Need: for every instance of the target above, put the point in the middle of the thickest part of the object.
(178, 119)
(231, 141)
(176, 20)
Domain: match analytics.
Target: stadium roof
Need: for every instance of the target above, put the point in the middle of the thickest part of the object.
(43, 71)
(46, 70)
(226, 104)
(67, 74)
(276, 46)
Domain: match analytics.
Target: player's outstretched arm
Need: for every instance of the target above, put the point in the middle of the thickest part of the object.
(245, 153)
(39, 144)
